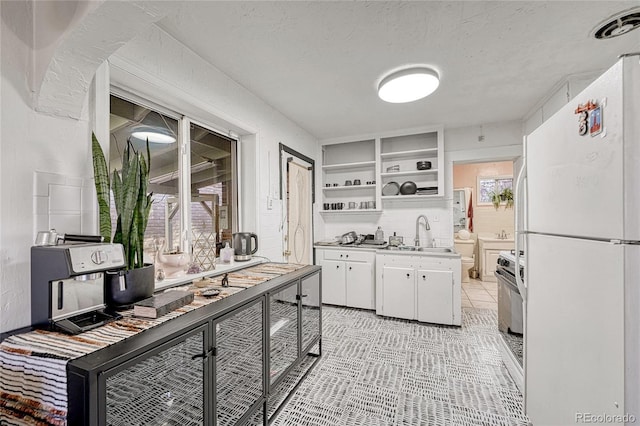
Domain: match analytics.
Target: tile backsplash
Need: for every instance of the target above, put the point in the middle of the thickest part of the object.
(399, 217)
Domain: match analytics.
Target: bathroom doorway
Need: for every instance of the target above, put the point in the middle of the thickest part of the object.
(483, 225)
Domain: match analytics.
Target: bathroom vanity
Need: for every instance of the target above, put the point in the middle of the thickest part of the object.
(489, 248)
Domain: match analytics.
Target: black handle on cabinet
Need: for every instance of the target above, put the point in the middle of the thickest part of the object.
(337, 266)
(205, 355)
(347, 256)
(349, 267)
(340, 255)
(424, 277)
(408, 275)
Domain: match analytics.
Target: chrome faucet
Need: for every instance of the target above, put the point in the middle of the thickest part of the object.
(426, 225)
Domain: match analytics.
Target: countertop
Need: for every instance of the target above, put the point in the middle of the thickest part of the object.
(384, 250)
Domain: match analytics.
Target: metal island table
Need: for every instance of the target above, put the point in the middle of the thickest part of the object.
(233, 359)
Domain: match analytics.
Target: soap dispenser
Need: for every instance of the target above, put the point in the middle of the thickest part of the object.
(226, 254)
(379, 234)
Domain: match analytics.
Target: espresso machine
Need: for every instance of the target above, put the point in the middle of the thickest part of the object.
(67, 285)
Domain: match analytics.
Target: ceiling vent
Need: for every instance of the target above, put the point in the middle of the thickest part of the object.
(617, 25)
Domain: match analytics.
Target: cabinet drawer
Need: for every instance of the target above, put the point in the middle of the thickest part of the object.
(349, 255)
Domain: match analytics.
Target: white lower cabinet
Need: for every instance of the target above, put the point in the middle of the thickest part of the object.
(333, 282)
(434, 291)
(359, 284)
(349, 280)
(398, 292)
(423, 288)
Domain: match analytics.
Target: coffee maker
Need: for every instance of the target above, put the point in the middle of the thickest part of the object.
(242, 245)
(67, 285)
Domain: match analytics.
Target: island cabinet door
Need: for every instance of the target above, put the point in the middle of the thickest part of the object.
(334, 290)
(283, 331)
(238, 364)
(435, 296)
(166, 385)
(399, 292)
(310, 311)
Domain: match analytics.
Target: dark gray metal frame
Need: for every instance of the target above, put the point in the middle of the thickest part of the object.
(86, 375)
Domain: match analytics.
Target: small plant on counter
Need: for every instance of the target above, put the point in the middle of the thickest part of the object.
(132, 201)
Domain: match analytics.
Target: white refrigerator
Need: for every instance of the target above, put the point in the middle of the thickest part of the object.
(582, 277)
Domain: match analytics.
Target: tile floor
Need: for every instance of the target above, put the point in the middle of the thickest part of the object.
(480, 294)
(385, 371)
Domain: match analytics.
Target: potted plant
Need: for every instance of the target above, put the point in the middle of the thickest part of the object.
(507, 196)
(133, 204)
(495, 199)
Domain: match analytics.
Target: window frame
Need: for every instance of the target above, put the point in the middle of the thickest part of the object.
(479, 200)
(184, 158)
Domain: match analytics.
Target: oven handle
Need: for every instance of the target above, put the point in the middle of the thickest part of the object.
(522, 287)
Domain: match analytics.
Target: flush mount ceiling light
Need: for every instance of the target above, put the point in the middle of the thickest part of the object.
(153, 134)
(617, 25)
(408, 85)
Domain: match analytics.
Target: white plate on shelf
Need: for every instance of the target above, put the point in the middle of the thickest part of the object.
(392, 188)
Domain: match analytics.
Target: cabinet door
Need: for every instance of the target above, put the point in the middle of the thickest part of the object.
(359, 284)
(490, 262)
(163, 386)
(333, 283)
(310, 302)
(435, 296)
(283, 331)
(238, 364)
(399, 293)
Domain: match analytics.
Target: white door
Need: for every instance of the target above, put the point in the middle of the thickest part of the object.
(299, 224)
(435, 296)
(574, 331)
(359, 283)
(333, 284)
(399, 292)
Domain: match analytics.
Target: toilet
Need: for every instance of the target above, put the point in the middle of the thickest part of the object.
(466, 249)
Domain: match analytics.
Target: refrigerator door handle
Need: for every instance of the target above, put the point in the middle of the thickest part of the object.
(518, 198)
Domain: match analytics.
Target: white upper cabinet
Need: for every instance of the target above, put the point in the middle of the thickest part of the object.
(349, 171)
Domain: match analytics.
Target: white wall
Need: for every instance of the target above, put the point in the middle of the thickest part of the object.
(31, 141)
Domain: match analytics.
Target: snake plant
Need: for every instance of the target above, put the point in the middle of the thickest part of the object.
(132, 202)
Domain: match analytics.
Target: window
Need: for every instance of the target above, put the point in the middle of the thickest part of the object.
(213, 159)
(210, 173)
(487, 186)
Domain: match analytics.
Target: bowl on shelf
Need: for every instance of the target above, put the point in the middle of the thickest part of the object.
(408, 188)
(423, 165)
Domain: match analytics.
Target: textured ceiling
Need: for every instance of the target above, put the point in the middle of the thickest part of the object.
(319, 62)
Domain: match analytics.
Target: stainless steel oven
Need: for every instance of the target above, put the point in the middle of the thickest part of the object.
(510, 313)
